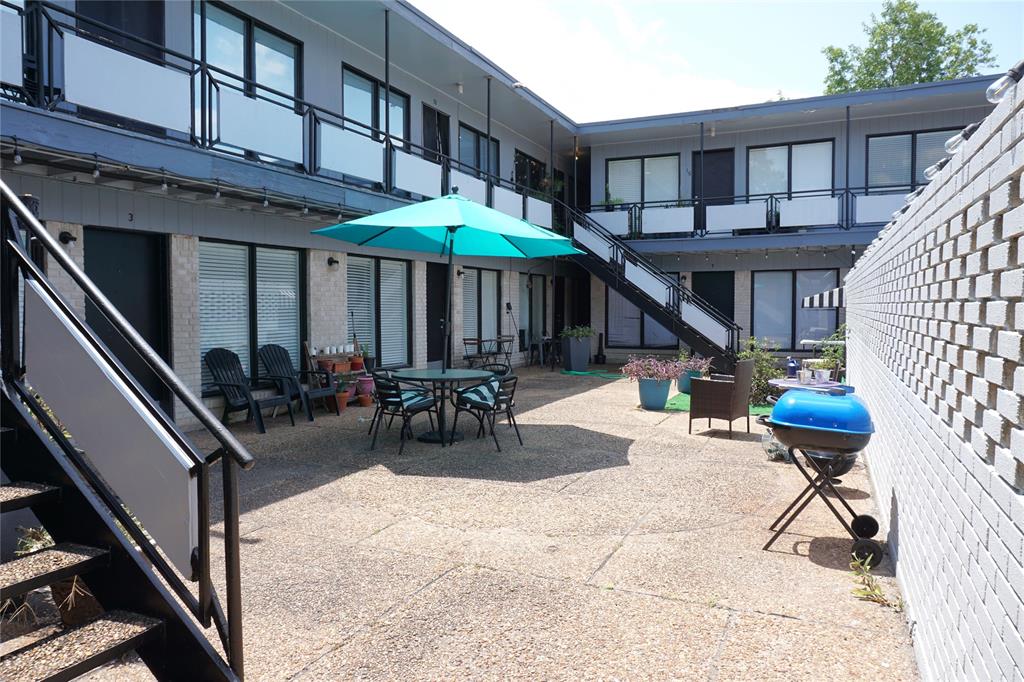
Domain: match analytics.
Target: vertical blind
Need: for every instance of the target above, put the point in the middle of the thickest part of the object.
(488, 304)
(524, 307)
(360, 280)
(223, 301)
(773, 307)
(470, 319)
(394, 312)
(537, 307)
(889, 161)
(277, 299)
(623, 321)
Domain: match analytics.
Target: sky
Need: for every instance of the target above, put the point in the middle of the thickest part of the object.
(589, 58)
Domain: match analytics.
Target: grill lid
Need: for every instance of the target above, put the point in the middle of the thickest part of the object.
(839, 412)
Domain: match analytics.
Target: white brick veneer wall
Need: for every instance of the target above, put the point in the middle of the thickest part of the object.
(936, 319)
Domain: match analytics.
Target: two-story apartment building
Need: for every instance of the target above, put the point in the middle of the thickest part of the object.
(184, 151)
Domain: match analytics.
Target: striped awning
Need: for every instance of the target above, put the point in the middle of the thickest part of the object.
(833, 298)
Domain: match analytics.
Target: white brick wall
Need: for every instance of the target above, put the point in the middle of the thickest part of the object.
(419, 313)
(56, 274)
(328, 293)
(184, 305)
(936, 318)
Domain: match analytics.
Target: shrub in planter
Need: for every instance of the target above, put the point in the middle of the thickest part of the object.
(576, 347)
(693, 367)
(766, 367)
(655, 377)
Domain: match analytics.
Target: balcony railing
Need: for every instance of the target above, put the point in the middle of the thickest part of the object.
(69, 63)
(827, 209)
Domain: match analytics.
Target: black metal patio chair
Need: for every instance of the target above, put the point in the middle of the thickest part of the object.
(279, 368)
(486, 402)
(409, 390)
(229, 377)
(472, 351)
(497, 368)
(393, 401)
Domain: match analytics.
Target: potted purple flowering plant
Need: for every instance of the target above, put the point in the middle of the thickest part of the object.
(655, 377)
(693, 367)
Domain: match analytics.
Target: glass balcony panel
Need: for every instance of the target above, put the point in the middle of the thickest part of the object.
(663, 220)
(616, 222)
(737, 217)
(351, 153)
(538, 212)
(876, 208)
(809, 211)
(509, 202)
(11, 47)
(264, 127)
(417, 175)
(470, 187)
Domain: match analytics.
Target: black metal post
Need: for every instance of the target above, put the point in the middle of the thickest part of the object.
(388, 162)
(846, 174)
(448, 307)
(202, 73)
(232, 568)
(700, 186)
(487, 152)
(575, 175)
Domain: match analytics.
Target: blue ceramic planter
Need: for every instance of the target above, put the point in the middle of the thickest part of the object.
(683, 382)
(654, 393)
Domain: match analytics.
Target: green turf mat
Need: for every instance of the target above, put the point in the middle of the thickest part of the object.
(596, 373)
(680, 402)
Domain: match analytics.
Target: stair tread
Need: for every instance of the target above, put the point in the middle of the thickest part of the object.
(109, 634)
(60, 557)
(12, 493)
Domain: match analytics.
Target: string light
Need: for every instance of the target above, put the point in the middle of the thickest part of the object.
(913, 195)
(17, 153)
(998, 90)
(954, 143)
(216, 194)
(931, 171)
(96, 166)
(163, 182)
(266, 202)
(305, 207)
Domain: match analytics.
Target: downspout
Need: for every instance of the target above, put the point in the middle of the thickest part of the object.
(846, 175)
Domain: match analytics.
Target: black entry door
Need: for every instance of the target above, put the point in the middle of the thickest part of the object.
(437, 278)
(558, 315)
(436, 131)
(717, 288)
(719, 179)
(130, 268)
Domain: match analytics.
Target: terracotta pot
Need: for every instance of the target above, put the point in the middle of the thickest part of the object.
(357, 363)
(341, 399)
(365, 399)
(342, 366)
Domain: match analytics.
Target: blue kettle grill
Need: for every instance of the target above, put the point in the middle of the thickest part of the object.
(829, 428)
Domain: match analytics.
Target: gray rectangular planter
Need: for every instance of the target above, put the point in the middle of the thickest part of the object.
(575, 354)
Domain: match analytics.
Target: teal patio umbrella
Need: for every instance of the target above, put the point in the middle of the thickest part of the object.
(454, 225)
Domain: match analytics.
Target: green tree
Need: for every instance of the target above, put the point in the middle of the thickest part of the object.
(905, 46)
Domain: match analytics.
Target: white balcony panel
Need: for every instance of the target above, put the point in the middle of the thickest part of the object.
(809, 211)
(259, 125)
(737, 217)
(711, 328)
(592, 241)
(350, 153)
(469, 187)
(616, 222)
(647, 282)
(507, 201)
(10, 48)
(128, 447)
(538, 212)
(108, 80)
(662, 220)
(417, 175)
(877, 208)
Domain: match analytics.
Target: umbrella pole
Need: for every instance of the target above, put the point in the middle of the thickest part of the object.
(448, 304)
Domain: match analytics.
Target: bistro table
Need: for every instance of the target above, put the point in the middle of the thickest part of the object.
(441, 379)
(786, 384)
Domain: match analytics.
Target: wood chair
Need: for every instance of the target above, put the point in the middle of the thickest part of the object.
(723, 396)
(229, 377)
(278, 364)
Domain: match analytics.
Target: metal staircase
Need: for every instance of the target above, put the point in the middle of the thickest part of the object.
(692, 319)
(123, 493)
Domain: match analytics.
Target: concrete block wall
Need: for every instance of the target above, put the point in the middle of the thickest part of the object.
(935, 309)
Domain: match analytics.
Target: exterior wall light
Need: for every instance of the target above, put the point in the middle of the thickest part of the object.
(66, 237)
(331, 260)
(954, 143)
(998, 90)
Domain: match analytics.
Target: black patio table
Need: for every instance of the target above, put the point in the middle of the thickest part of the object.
(441, 379)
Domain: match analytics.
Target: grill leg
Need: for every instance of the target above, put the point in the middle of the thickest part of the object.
(818, 490)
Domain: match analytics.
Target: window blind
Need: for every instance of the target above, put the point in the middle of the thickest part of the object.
(537, 307)
(767, 171)
(394, 312)
(360, 280)
(773, 307)
(812, 166)
(931, 147)
(661, 178)
(657, 336)
(523, 318)
(470, 318)
(223, 301)
(623, 321)
(624, 178)
(277, 300)
(488, 304)
(814, 323)
(889, 162)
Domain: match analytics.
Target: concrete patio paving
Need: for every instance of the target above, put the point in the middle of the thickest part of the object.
(613, 545)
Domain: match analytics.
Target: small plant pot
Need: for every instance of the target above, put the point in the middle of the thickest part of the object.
(654, 393)
(340, 399)
(369, 363)
(575, 353)
(356, 363)
(683, 382)
(365, 399)
(364, 385)
(342, 366)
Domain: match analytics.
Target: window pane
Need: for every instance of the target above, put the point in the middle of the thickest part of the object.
(223, 301)
(468, 147)
(275, 64)
(277, 300)
(657, 336)
(889, 162)
(399, 103)
(357, 97)
(931, 148)
(225, 41)
(773, 307)
(361, 301)
(814, 323)
(624, 181)
(494, 158)
(394, 312)
(661, 178)
(470, 320)
(812, 166)
(767, 170)
(623, 321)
(488, 304)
